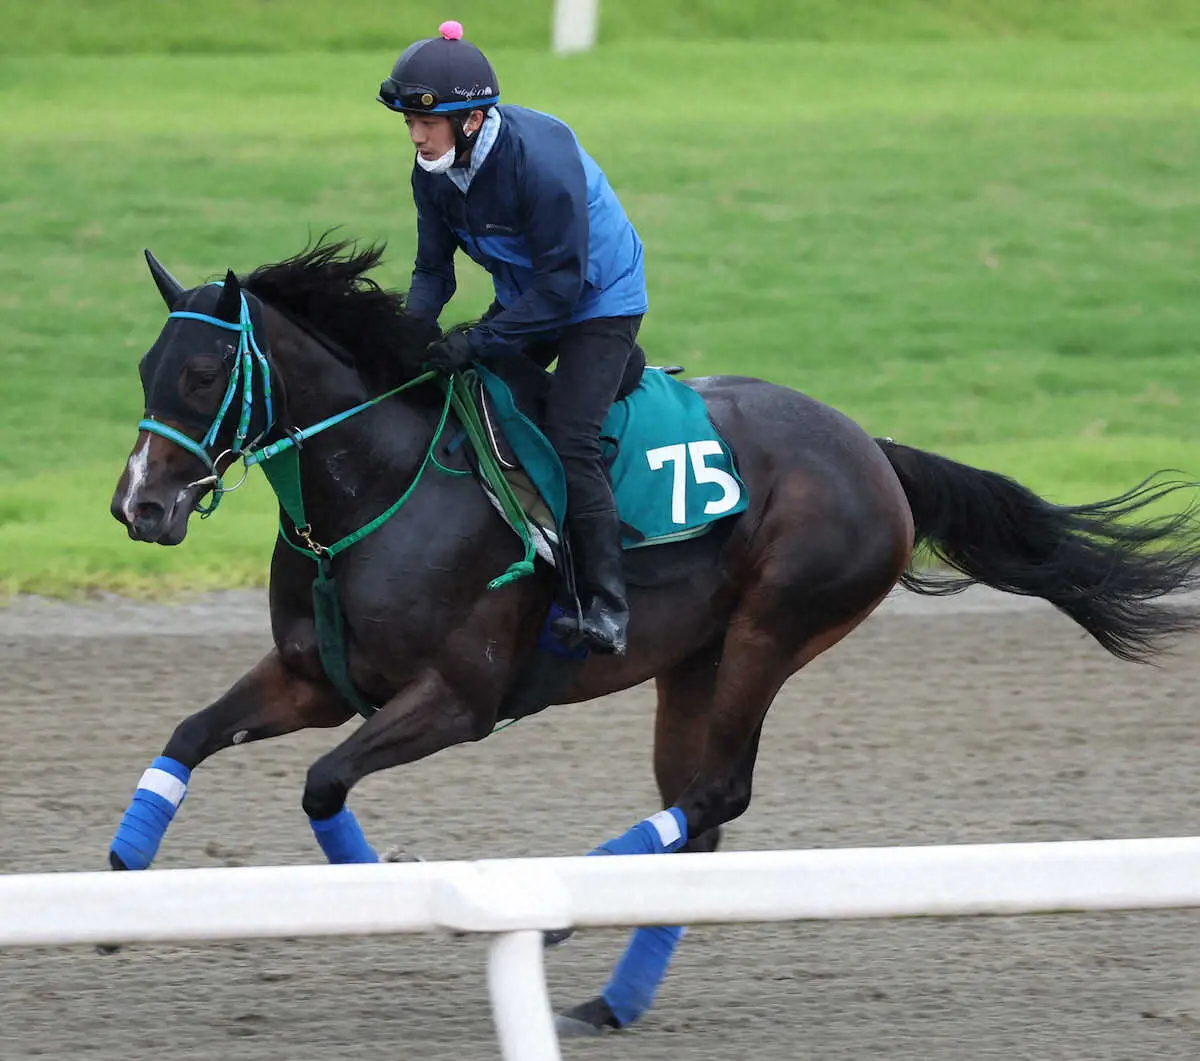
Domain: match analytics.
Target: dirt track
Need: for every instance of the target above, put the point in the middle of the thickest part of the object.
(930, 725)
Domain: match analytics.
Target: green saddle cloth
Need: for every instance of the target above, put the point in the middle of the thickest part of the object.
(672, 474)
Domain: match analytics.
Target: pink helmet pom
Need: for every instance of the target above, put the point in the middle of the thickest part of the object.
(451, 30)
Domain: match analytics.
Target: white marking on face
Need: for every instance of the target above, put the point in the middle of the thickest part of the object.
(137, 467)
(240, 736)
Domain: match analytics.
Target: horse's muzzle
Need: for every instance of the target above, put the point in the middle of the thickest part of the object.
(150, 521)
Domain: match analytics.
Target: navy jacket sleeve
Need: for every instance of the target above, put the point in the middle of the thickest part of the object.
(554, 213)
(433, 280)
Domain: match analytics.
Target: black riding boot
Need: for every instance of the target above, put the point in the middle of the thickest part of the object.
(596, 548)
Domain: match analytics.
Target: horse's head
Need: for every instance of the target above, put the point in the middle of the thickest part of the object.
(206, 383)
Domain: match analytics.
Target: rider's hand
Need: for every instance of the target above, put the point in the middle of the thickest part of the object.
(449, 354)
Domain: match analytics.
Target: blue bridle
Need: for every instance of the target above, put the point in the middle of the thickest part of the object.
(242, 375)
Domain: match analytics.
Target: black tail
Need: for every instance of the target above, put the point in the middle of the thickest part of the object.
(1087, 560)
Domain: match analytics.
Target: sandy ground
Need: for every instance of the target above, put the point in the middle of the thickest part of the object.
(937, 722)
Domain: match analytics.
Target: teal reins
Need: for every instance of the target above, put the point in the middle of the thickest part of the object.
(280, 462)
(284, 476)
(247, 358)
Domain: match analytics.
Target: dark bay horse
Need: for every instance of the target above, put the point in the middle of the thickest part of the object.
(833, 520)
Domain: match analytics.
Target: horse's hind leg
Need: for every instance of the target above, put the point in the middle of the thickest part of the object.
(791, 616)
(685, 700)
(758, 659)
(270, 700)
(754, 664)
(823, 570)
(719, 751)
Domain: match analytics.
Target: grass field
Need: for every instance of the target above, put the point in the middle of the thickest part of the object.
(110, 27)
(990, 249)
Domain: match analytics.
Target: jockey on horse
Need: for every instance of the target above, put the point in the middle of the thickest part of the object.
(514, 189)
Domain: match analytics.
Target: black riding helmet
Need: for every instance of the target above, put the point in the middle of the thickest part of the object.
(442, 75)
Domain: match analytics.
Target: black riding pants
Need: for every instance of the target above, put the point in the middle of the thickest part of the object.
(598, 362)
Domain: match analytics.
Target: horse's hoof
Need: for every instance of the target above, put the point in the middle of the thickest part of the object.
(556, 936)
(114, 862)
(586, 1020)
(570, 1028)
(398, 854)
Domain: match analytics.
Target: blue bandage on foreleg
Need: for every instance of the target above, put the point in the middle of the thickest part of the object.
(662, 832)
(155, 801)
(641, 969)
(342, 838)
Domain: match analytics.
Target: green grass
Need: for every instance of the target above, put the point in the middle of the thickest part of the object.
(57, 538)
(110, 27)
(986, 249)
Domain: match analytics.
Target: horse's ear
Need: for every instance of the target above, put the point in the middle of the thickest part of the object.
(229, 305)
(167, 285)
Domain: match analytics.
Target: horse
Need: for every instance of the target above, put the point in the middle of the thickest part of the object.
(835, 520)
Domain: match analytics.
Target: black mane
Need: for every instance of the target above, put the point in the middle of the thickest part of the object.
(326, 286)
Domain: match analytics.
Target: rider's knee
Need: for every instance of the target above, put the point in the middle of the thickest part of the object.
(574, 445)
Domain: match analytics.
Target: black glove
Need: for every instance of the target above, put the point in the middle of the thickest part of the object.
(448, 354)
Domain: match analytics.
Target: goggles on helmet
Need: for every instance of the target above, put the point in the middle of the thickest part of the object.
(422, 98)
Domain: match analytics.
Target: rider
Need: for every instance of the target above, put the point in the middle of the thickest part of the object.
(514, 189)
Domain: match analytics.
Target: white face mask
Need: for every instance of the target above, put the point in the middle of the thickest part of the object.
(437, 165)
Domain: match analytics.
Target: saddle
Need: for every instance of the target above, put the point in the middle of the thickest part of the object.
(529, 384)
(510, 396)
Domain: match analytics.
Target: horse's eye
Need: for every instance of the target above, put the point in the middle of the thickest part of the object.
(203, 377)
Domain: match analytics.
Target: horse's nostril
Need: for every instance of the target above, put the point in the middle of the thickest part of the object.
(147, 518)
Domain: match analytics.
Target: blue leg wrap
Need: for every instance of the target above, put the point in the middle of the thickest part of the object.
(643, 966)
(665, 831)
(342, 839)
(630, 991)
(157, 797)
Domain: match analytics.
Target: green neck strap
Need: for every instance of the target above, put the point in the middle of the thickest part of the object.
(281, 464)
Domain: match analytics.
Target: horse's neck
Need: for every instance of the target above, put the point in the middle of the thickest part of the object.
(349, 469)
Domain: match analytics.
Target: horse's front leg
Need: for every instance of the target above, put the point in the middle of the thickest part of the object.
(426, 716)
(268, 701)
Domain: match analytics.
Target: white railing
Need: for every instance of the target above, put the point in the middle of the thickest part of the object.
(516, 900)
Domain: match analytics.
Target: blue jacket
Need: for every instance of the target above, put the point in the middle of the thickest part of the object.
(540, 216)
